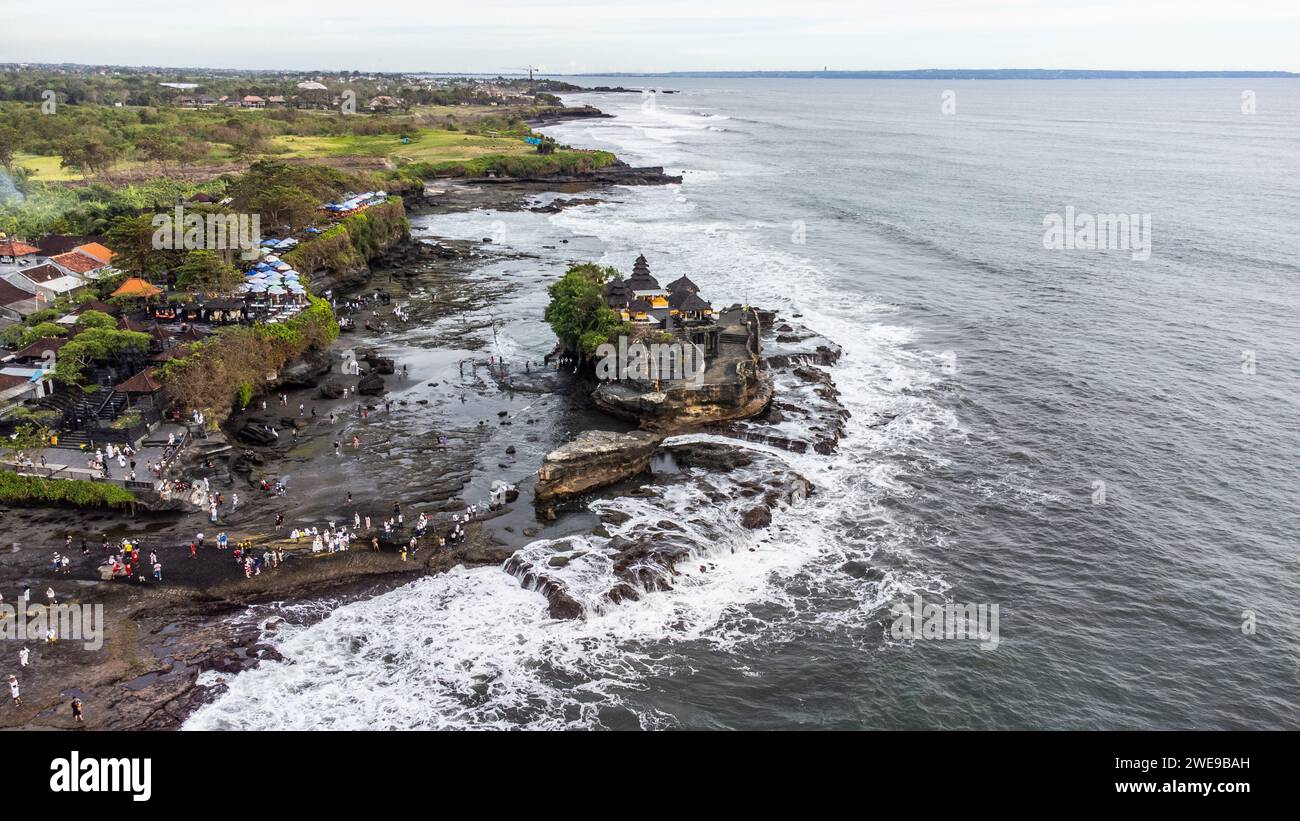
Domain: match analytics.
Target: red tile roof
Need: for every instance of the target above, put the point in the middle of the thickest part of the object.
(77, 262)
(14, 248)
(100, 252)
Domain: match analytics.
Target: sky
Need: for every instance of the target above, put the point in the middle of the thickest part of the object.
(586, 36)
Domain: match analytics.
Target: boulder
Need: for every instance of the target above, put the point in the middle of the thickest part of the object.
(306, 370)
(331, 390)
(756, 517)
(595, 459)
(371, 385)
(256, 434)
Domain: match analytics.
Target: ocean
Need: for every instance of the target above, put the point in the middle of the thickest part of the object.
(1102, 442)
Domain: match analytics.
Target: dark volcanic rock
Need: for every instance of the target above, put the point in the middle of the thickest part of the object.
(306, 371)
(371, 385)
(595, 459)
(757, 517)
(331, 390)
(256, 434)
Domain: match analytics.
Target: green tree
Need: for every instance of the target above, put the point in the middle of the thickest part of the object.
(158, 148)
(285, 205)
(207, 272)
(96, 345)
(9, 141)
(90, 151)
(132, 240)
(20, 336)
(95, 319)
(28, 436)
(577, 312)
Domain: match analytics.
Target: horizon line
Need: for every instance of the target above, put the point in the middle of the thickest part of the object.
(914, 73)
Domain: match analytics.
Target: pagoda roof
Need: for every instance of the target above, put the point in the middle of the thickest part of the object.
(138, 288)
(693, 302)
(683, 282)
(143, 382)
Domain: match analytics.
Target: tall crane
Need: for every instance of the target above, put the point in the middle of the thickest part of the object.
(530, 69)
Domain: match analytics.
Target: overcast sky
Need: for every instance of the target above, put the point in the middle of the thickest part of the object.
(657, 35)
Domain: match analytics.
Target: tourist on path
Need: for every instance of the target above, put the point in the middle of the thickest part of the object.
(76, 711)
(13, 691)
(24, 657)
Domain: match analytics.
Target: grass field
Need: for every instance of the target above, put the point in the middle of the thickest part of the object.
(50, 168)
(45, 169)
(426, 145)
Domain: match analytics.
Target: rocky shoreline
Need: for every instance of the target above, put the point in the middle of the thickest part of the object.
(161, 639)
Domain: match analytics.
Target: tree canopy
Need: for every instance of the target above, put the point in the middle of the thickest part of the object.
(96, 344)
(577, 312)
(206, 271)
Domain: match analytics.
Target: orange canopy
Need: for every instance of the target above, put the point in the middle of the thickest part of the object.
(137, 287)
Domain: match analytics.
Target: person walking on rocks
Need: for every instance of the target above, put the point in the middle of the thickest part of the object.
(24, 657)
(13, 691)
(76, 711)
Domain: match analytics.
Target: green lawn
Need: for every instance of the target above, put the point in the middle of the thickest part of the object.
(45, 169)
(50, 169)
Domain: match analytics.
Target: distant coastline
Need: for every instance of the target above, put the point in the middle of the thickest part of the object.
(965, 74)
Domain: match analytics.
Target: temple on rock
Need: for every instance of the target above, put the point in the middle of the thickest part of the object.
(678, 309)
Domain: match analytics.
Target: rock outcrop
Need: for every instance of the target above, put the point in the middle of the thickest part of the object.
(595, 459)
(306, 371)
(370, 385)
(683, 407)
